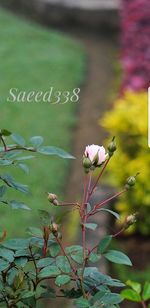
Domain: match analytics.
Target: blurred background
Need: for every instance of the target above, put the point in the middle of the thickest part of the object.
(102, 48)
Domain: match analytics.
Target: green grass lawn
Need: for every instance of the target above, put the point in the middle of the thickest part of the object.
(34, 58)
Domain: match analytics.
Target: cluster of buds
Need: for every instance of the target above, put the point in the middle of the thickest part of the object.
(52, 198)
(94, 156)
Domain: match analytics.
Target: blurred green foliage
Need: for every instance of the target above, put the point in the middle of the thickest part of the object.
(34, 58)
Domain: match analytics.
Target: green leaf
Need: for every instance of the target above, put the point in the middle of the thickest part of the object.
(27, 294)
(12, 273)
(3, 265)
(104, 243)
(54, 249)
(111, 212)
(20, 187)
(18, 139)
(22, 253)
(78, 257)
(50, 150)
(73, 248)
(115, 283)
(117, 257)
(111, 299)
(7, 254)
(94, 257)
(63, 264)
(3, 190)
(35, 232)
(82, 303)
(146, 291)
(21, 262)
(17, 205)
(36, 141)
(13, 154)
(45, 217)
(24, 167)
(93, 277)
(49, 271)
(62, 280)
(90, 226)
(134, 285)
(5, 162)
(29, 300)
(131, 295)
(99, 295)
(88, 208)
(16, 244)
(24, 157)
(5, 132)
(11, 182)
(45, 262)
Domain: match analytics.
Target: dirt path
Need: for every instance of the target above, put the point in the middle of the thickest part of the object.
(95, 97)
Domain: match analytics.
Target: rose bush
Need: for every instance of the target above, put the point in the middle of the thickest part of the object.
(29, 265)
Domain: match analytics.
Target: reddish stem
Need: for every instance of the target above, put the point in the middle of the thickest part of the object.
(94, 186)
(99, 205)
(119, 232)
(82, 211)
(64, 253)
(84, 239)
(68, 203)
(88, 190)
(144, 304)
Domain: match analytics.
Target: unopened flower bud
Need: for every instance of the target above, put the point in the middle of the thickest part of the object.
(130, 220)
(130, 182)
(54, 228)
(86, 162)
(112, 147)
(53, 199)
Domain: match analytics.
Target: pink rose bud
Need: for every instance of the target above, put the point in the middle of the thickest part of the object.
(96, 154)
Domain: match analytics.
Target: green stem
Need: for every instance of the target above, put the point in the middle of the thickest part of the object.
(3, 142)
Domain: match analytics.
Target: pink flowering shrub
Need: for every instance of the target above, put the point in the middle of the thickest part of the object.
(135, 44)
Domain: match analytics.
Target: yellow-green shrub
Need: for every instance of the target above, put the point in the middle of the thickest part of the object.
(128, 122)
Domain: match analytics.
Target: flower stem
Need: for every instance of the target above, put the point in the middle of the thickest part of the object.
(144, 304)
(102, 171)
(99, 205)
(64, 253)
(88, 190)
(118, 233)
(68, 204)
(3, 142)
